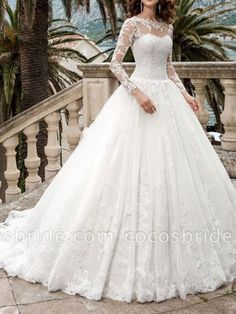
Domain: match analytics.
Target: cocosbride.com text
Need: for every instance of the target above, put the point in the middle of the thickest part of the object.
(50, 235)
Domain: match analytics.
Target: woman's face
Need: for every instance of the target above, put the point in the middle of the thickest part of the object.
(150, 3)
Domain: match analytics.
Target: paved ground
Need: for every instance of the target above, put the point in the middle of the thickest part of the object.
(19, 296)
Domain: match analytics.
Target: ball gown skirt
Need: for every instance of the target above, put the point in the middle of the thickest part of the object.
(120, 218)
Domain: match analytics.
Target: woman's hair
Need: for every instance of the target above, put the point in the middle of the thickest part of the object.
(166, 12)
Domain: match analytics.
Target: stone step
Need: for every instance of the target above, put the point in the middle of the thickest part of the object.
(26, 200)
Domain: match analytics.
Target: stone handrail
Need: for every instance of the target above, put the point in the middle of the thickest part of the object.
(219, 70)
(40, 110)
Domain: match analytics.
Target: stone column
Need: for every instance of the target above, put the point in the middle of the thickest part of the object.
(32, 162)
(200, 85)
(228, 118)
(96, 92)
(12, 174)
(73, 133)
(52, 149)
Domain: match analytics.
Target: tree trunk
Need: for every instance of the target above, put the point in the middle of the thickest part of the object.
(34, 66)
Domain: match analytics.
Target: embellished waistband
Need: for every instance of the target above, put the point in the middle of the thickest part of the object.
(151, 80)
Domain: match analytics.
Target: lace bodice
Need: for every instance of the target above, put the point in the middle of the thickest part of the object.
(151, 43)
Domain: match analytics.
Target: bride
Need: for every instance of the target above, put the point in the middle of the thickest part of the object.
(143, 209)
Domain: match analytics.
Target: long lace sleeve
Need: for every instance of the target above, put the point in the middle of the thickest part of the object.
(124, 41)
(171, 70)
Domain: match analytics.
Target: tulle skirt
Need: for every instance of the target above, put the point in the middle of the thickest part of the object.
(143, 208)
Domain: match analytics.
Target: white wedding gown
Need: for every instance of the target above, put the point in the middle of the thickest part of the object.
(113, 222)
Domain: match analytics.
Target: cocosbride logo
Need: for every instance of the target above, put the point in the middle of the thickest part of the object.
(185, 236)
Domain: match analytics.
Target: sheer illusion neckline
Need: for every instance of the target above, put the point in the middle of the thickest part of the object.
(159, 20)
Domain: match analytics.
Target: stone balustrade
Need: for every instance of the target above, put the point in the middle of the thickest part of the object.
(28, 123)
(90, 94)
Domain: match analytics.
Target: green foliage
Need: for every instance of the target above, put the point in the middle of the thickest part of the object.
(197, 33)
(199, 36)
(59, 40)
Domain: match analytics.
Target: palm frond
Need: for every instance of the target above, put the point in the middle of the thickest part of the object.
(68, 7)
(9, 78)
(222, 12)
(214, 6)
(99, 54)
(68, 53)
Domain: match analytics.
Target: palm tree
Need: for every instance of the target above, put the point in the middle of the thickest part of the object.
(34, 20)
(3, 6)
(59, 76)
(197, 32)
(10, 82)
(199, 36)
(33, 35)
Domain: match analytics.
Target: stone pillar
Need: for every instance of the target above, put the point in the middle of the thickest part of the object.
(32, 161)
(96, 92)
(52, 149)
(73, 133)
(12, 174)
(200, 85)
(228, 118)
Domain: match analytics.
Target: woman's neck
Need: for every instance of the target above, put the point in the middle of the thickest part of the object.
(148, 13)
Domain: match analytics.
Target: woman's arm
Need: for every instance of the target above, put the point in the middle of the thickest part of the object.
(171, 70)
(124, 41)
(193, 102)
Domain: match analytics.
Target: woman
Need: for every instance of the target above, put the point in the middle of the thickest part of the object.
(143, 209)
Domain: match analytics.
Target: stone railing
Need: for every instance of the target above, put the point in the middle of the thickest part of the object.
(28, 123)
(96, 87)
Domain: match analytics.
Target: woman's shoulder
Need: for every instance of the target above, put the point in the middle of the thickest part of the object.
(170, 28)
(129, 23)
(129, 20)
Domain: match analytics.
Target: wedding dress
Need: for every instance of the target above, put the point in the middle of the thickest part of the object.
(120, 218)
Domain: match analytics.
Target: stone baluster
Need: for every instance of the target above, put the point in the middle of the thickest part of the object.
(200, 85)
(74, 132)
(32, 162)
(52, 149)
(11, 173)
(228, 118)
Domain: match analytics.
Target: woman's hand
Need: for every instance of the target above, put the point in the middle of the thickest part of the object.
(145, 102)
(193, 102)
